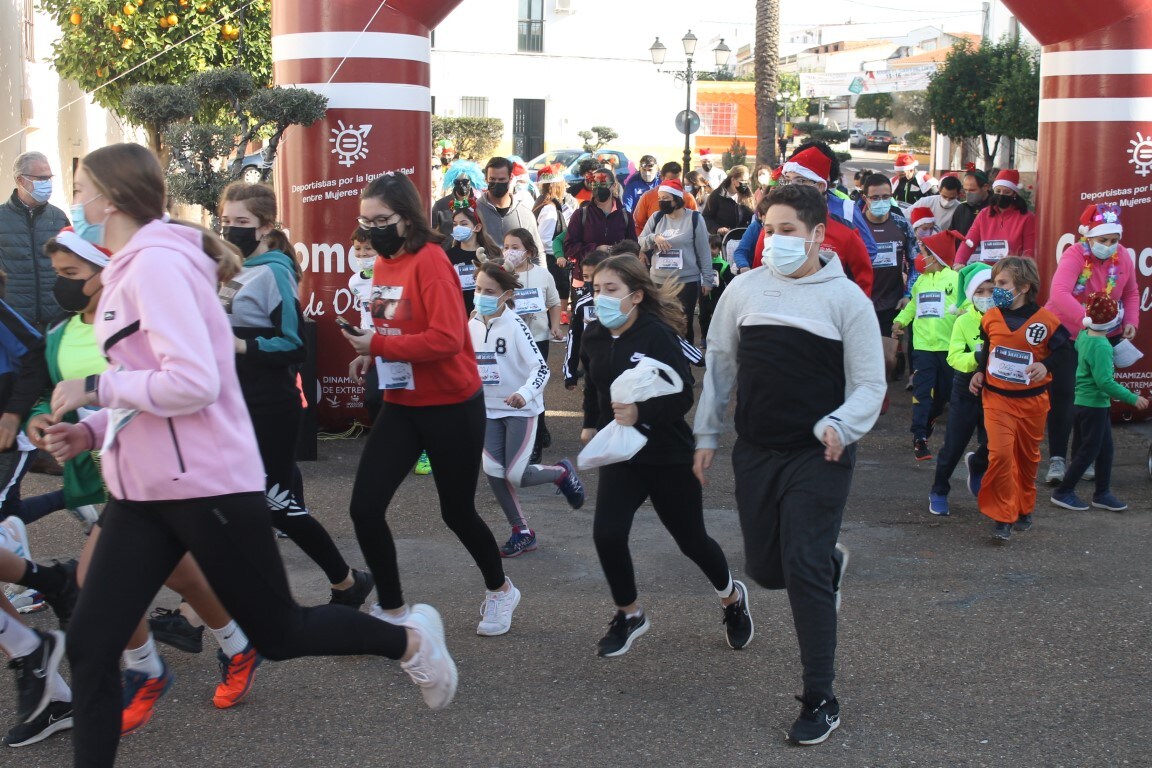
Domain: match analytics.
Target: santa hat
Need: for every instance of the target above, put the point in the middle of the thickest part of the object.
(1009, 178)
(921, 216)
(1101, 312)
(811, 164)
(705, 152)
(972, 277)
(672, 187)
(550, 174)
(942, 245)
(518, 169)
(1098, 220)
(926, 182)
(91, 253)
(906, 162)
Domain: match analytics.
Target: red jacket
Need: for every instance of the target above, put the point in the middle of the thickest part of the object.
(846, 244)
(419, 319)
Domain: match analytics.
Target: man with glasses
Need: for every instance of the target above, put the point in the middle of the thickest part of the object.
(27, 220)
(640, 182)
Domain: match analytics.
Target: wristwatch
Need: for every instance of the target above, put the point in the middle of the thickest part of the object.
(92, 385)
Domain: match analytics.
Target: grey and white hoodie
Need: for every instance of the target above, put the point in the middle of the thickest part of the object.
(809, 358)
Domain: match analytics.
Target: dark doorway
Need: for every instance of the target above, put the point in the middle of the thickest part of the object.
(528, 127)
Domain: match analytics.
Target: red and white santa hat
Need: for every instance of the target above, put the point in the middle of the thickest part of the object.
(1101, 312)
(672, 187)
(811, 164)
(1008, 178)
(550, 174)
(1101, 219)
(922, 216)
(518, 169)
(91, 253)
(906, 162)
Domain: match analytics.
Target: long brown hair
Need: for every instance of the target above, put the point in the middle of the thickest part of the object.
(398, 192)
(483, 239)
(130, 178)
(506, 279)
(260, 201)
(661, 301)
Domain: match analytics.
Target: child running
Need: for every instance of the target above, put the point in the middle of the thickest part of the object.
(514, 374)
(583, 313)
(1096, 388)
(1020, 338)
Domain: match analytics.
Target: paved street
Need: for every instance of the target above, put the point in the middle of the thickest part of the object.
(953, 651)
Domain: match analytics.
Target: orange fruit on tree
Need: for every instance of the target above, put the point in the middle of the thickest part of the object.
(127, 44)
(117, 28)
(163, 22)
(173, 19)
(129, 9)
(75, 18)
(183, 3)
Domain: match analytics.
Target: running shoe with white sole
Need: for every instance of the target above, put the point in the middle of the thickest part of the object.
(570, 485)
(236, 676)
(622, 632)
(56, 717)
(815, 723)
(35, 673)
(738, 626)
(496, 612)
(431, 667)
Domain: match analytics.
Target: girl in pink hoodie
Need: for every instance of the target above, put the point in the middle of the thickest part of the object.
(181, 462)
(1005, 228)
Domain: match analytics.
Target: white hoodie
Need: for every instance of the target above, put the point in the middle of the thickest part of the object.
(510, 363)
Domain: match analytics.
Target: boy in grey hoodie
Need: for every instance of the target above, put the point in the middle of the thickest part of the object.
(802, 343)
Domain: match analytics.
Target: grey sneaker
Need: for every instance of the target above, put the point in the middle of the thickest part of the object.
(432, 667)
(1056, 468)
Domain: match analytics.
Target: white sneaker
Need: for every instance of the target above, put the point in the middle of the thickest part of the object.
(377, 612)
(496, 612)
(14, 537)
(432, 667)
(1090, 473)
(87, 514)
(1056, 469)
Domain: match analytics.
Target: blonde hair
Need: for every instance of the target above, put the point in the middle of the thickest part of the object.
(1023, 270)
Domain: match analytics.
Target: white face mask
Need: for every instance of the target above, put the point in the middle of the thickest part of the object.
(983, 303)
(514, 257)
(786, 253)
(946, 204)
(648, 175)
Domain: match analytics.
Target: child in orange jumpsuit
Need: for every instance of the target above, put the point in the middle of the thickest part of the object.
(1020, 337)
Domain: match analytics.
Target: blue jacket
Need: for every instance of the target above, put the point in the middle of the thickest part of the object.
(635, 187)
(839, 206)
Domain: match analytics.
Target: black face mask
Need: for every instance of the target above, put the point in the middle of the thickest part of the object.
(498, 189)
(706, 166)
(603, 194)
(743, 189)
(1003, 201)
(463, 187)
(667, 207)
(243, 238)
(70, 294)
(386, 241)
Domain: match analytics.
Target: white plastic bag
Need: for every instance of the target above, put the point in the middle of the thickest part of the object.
(616, 443)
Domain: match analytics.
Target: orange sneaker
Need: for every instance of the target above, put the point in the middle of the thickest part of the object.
(236, 676)
(140, 696)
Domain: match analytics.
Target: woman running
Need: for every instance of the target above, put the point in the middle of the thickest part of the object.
(636, 320)
(181, 461)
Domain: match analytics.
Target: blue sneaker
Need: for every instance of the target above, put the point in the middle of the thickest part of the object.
(1109, 502)
(570, 485)
(938, 504)
(974, 478)
(1069, 500)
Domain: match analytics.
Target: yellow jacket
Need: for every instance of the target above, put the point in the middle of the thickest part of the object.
(965, 341)
(933, 308)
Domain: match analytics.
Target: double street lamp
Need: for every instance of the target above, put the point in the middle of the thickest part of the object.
(658, 50)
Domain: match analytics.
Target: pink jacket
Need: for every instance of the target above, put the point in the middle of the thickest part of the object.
(1070, 308)
(1019, 229)
(171, 358)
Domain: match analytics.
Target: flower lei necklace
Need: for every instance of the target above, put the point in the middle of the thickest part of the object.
(1086, 273)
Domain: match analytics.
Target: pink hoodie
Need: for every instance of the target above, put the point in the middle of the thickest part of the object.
(172, 358)
(1017, 229)
(1070, 308)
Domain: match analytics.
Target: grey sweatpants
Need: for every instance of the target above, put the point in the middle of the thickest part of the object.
(508, 443)
(791, 504)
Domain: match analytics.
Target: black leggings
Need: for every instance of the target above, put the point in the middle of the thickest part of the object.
(689, 294)
(453, 435)
(276, 435)
(140, 544)
(678, 500)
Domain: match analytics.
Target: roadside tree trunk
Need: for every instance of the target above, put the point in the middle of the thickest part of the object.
(767, 58)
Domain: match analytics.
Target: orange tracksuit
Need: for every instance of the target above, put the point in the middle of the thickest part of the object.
(1015, 411)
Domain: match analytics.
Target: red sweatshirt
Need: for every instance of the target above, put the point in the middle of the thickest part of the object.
(846, 243)
(1017, 230)
(421, 330)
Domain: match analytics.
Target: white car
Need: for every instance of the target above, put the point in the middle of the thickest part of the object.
(855, 138)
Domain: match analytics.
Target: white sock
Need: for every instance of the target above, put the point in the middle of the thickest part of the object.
(727, 591)
(639, 612)
(144, 659)
(60, 689)
(16, 639)
(231, 638)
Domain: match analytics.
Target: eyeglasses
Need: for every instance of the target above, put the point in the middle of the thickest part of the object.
(379, 221)
(49, 177)
(647, 166)
(799, 181)
(878, 198)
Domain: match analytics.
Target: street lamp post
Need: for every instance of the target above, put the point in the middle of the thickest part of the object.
(688, 75)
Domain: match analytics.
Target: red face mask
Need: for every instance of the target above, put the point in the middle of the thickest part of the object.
(921, 262)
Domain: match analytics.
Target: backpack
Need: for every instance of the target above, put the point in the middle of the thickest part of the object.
(656, 217)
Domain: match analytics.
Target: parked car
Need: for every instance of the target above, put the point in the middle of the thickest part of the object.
(879, 140)
(563, 156)
(623, 168)
(855, 138)
(252, 167)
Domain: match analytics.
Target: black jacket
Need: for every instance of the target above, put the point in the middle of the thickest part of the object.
(723, 211)
(23, 232)
(670, 438)
(965, 216)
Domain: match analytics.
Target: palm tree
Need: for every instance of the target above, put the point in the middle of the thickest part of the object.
(767, 55)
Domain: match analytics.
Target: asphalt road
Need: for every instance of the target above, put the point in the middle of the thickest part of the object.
(953, 651)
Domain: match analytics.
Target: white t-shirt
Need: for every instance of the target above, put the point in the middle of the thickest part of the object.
(533, 300)
(361, 287)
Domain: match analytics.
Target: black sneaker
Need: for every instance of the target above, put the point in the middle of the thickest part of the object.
(56, 717)
(1002, 531)
(34, 675)
(622, 631)
(171, 628)
(537, 454)
(63, 602)
(1023, 523)
(518, 543)
(355, 595)
(920, 449)
(815, 723)
(738, 626)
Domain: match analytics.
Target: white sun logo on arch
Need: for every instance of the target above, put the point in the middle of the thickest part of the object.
(350, 143)
(1141, 154)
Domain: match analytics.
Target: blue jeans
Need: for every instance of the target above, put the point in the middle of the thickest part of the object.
(965, 416)
(932, 386)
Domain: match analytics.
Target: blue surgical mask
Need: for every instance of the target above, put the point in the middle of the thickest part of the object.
(786, 253)
(983, 303)
(1002, 297)
(1104, 252)
(41, 190)
(488, 305)
(608, 311)
(462, 232)
(93, 233)
(880, 208)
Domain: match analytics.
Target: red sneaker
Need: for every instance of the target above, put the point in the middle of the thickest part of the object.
(236, 676)
(140, 696)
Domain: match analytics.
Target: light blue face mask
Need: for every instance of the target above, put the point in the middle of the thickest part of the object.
(461, 233)
(93, 233)
(489, 305)
(786, 253)
(1104, 252)
(608, 311)
(41, 189)
(880, 208)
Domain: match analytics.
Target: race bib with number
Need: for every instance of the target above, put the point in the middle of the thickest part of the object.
(885, 255)
(394, 375)
(529, 301)
(489, 369)
(467, 275)
(992, 251)
(930, 304)
(670, 260)
(1008, 365)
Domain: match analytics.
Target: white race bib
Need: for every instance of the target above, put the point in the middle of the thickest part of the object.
(991, 251)
(1008, 365)
(930, 304)
(529, 301)
(467, 275)
(394, 375)
(489, 369)
(671, 260)
(885, 255)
